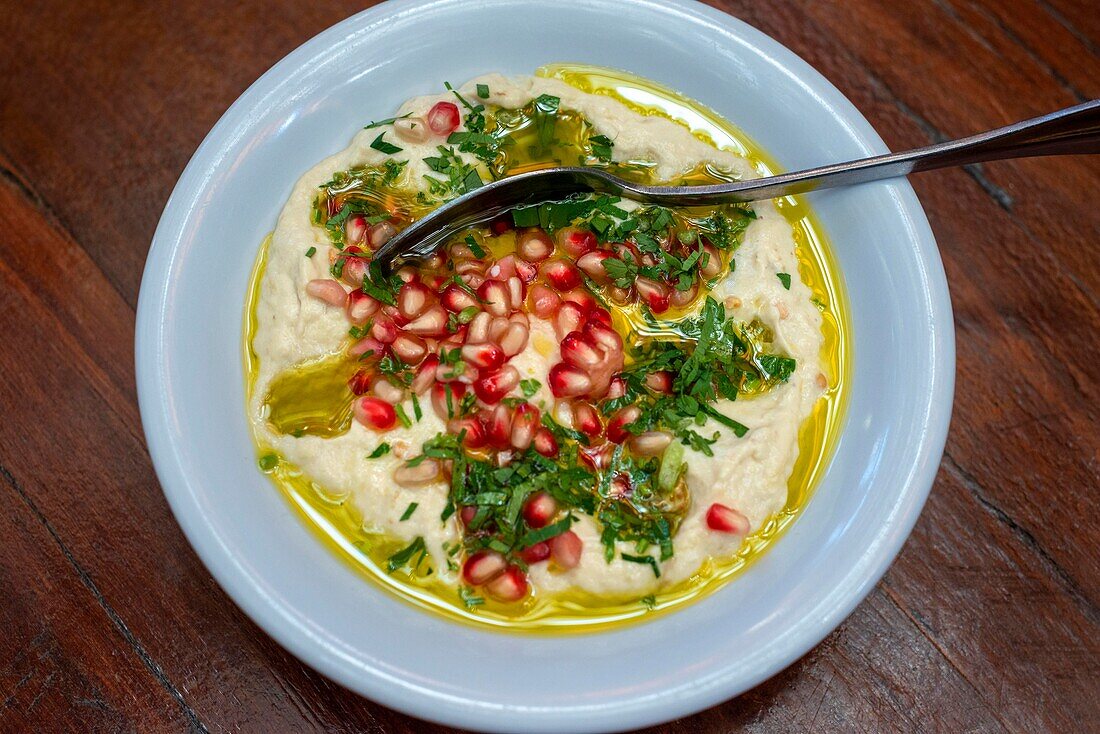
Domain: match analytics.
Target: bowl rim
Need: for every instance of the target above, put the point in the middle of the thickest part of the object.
(234, 579)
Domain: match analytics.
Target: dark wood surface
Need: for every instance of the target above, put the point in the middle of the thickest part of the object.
(988, 621)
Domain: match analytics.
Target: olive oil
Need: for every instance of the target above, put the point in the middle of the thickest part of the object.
(337, 523)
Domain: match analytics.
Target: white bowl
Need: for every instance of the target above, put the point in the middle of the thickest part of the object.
(192, 392)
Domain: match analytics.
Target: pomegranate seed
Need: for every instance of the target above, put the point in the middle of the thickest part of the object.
(470, 269)
(517, 291)
(447, 372)
(353, 270)
(510, 586)
(360, 307)
(616, 389)
(426, 472)
(620, 296)
(525, 421)
(592, 264)
(355, 229)
(500, 225)
(498, 328)
(567, 381)
(679, 298)
(498, 426)
(515, 339)
(525, 271)
(443, 407)
(617, 427)
(380, 234)
(659, 381)
(543, 301)
(655, 294)
(576, 241)
(467, 514)
(386, 390)
(597, 457)
(375, 413)
(486, 356)
(582, 297)
(569, 318)
(600, 315)
(478, 330)
(432, 322)
(534, 245)
(436, 281)
(472, 432)
(579, 351)
(604, 336)
(395, 315)
(537, 553)
(411, 129)
(586, 419)
(494, 297)
(409, 349)
(384, 330)
(425, 374)
(566, 549)
(713, 265)
(327, 291)
(726, 520)
(443, 118)
(545, 443)
(359, 383)
(483, 566)
(502, 269)
(492, 388)
(540, 509)
(456, 299)
(620, 487)
(413, 299)
(368, 344)
(560, 274)
(649, 443)
(408, 274)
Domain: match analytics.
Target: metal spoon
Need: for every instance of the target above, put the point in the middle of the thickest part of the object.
(1072, 130)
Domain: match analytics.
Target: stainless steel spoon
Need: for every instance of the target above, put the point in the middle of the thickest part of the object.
(1072, 130)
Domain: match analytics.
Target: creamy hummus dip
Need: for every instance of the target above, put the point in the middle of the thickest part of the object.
(717, 477)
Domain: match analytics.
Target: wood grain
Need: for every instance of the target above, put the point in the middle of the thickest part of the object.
(988, 621)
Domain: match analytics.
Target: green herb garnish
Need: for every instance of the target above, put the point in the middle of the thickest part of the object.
(409, 511)
(381, 145)
(785, 279)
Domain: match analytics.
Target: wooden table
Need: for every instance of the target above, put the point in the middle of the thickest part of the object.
(988, 621)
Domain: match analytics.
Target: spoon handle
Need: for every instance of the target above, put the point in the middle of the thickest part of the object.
(1072, 130)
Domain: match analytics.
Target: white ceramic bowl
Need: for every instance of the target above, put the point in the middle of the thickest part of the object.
(193, 407)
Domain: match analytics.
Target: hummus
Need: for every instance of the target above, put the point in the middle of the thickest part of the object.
(758, 292)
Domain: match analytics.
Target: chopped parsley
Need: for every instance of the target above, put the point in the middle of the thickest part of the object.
(409, 511)
(387, 121)
(311, 252)
(381, 145)
(785, 279)
(405, 557)
(529, 387)
(483, 91)
(268, 462)
(382, 450)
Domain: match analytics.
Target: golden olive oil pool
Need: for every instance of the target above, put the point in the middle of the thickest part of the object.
(336, 523)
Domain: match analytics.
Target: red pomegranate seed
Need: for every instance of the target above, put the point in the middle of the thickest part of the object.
(597, 457)
(517, 291)
(545, 443)
(360, 307)
(600, 315)
(713, 262)
(576, 241)
(525, 271)
(592, 264)
(498, 426)
(509, 586)
(502, 269)
(620, 486)
(525, 421)
(355, 229)
(515, 339)
(569, 318)
(384, 330)
(386, 390)
(380, 234)
(659, 381)
(478, 330)
(649, 443)
(605, 336)
(567, 381)
(456, 299)
(352, 269)
(655, 294)
(359, 382)
(498, 327)
(436, 282)
(540, 509)
(432, 322)
(579, 351)
(414, 299)
(375, 413)
(562, 275)
(679, 298)
(327, 291)
(582, 297)
(726, 520)
(586, 419)
(616, 389)
(472, 432)
(408, 274)
(501, 224)
(467, 514)
(446, 408)
(487, 356)
(443, 118)
(483, 566)
(395, 315)
(492, 388)
(542, 301)
(494, 297)
(566, 549)
(617, 427)
(537, 553)
(469, 270)
(409, 349)
(369, 346)
(425, 374)
(534, 245)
